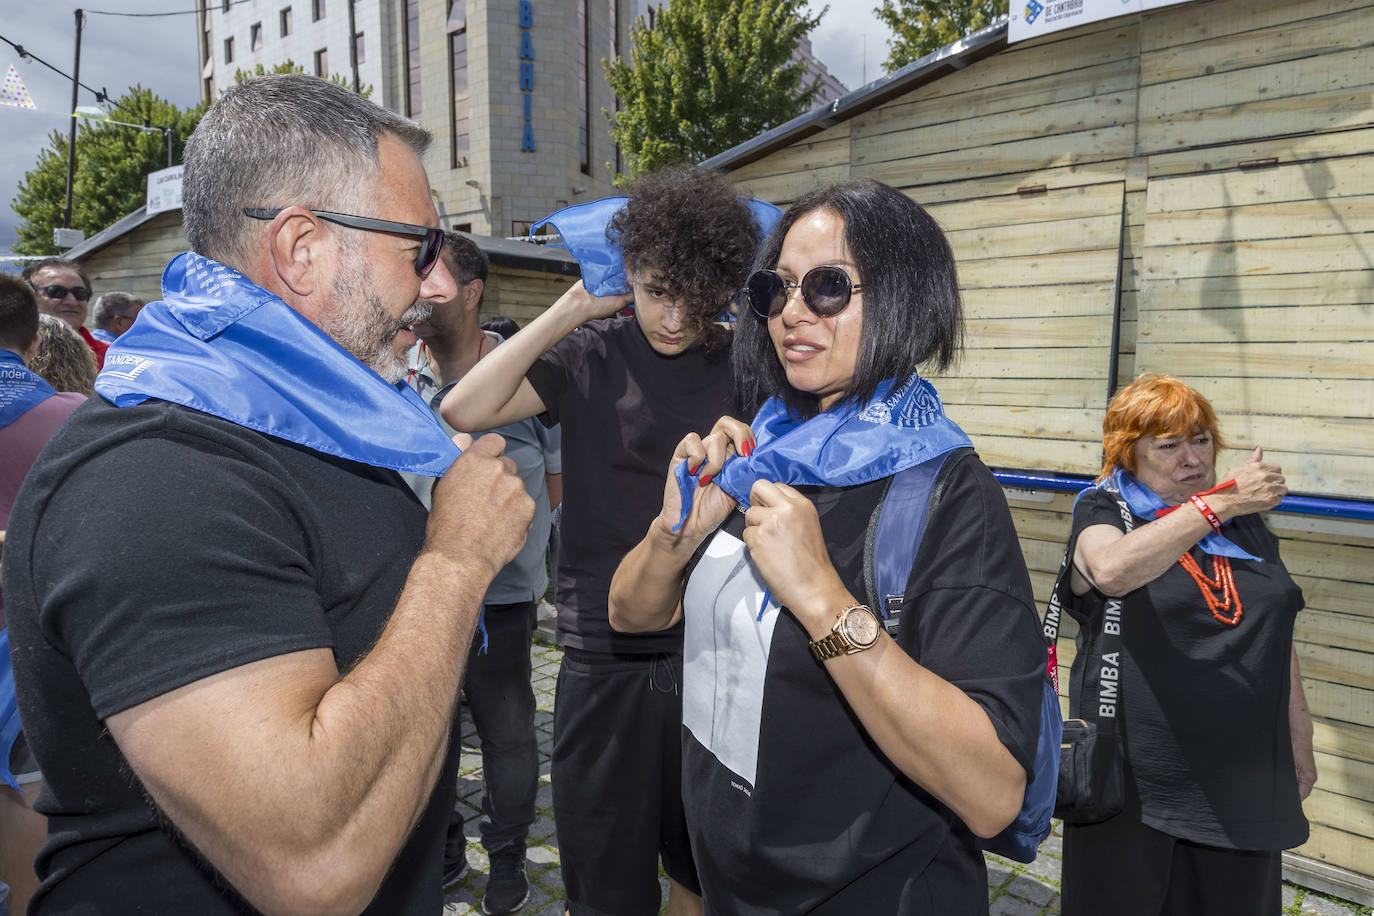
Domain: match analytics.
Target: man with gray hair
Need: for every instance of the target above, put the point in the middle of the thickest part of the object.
(114, 314)
(251, 710)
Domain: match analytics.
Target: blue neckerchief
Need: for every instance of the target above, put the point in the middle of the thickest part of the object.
(901, 426)
(20, 389)
(583, 230)
(220, 344)
(1144, 503)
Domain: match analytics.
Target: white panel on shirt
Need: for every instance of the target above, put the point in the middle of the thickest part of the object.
(725, 654)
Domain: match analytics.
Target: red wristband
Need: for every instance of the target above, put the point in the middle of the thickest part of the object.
(1207, 512)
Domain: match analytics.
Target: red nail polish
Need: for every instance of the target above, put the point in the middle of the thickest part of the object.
(707, 479)
(692, 469)
(747, 449)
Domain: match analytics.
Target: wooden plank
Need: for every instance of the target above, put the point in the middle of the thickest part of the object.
(1256, 47)
(1043, 122)
(1338, 847)
(1336, 595)
(1291, 323)
(1351, 815)
(1054, 179)
(934, 104)
(1105, 143)
(1001, 210)
(830, 147)
(785, 188)
(1234, 122)
(1033, 423)
(1343, 739)
(1321, 179)
(1093, 267)
(1083, 331)
(1074, 299)
(1199, 22)
(1258, 290)
(1327, 561)
(956, 392)
(1046, 454)
(1314, 255)
(1046, 238)
(1335, 664)
(1340, 702)
(1030, 363)
(1287, 149)
(1344, 631)
(1350, 360)
(1326, 217)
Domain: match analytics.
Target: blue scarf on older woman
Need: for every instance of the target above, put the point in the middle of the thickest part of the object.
(1144, 503)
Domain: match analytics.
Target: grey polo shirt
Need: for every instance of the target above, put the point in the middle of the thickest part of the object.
(535, 451)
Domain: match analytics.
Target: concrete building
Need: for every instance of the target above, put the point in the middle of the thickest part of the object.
(513, 90)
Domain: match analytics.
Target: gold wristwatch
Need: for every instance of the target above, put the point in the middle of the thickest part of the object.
(856, 630)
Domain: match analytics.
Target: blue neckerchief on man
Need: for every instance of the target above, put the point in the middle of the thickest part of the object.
(1144, 503)
(220, 344)
(20, 388)
(847, 445)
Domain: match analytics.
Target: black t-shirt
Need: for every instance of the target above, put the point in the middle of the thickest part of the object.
(1209, 757)
(624, 408)
(790, 805)
(161, 546)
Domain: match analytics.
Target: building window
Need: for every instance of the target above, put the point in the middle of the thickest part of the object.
(228, 50)
(412, 45)
(286, 22)
(583, 84)
(358, 48)
(255, 37)
(316, 10)
(458, 81)
(225, 6)
(322, 62)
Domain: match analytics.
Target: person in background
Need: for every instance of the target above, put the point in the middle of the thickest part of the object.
(835, 760)
(63, 290)
(62, 358)
(497, 683)
(30, 412)
(502, 325)
(114, 314)
(1216, 731)
(250, 709)
(625, 390)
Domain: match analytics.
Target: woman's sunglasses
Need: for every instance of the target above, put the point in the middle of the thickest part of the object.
(425, 258)
(825, 290)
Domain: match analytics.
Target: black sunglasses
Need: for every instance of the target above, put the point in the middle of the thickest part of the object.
(79, 293)
(825, 290)
(425, 258)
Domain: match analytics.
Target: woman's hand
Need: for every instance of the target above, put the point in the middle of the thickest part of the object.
(704, 457)
(783, 534)
(1259, 487)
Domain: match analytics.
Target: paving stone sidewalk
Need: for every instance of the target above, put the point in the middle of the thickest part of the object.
(1013, 889)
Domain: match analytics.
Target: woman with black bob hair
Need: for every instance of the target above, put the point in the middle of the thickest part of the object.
(842, 749)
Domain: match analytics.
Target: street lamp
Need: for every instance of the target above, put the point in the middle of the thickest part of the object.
(99, 114)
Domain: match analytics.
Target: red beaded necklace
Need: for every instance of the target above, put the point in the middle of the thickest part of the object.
(1224, 582)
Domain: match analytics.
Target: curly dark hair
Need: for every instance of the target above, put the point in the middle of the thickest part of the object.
(687, 225)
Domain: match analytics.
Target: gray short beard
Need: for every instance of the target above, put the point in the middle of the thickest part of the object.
(360, 324)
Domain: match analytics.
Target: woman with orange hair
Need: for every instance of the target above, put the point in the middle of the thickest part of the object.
(1215, 731)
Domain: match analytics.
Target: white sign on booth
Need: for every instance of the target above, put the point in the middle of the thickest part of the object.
(164, 189)
(1032, 18)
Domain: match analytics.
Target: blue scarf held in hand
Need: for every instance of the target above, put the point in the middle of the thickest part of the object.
(583, 229)
(1144, 503)
(20, 389)
(220, 344)
(850, 444)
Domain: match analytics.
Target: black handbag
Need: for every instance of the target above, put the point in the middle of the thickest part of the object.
(1092, 777)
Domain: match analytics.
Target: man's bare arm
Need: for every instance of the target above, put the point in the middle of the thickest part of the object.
(495, 392)
(301, 785)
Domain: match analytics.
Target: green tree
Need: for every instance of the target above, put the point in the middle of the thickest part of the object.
(706, 76)
(922, 26)
(112, 165)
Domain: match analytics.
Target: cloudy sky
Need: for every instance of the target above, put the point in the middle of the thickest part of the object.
(160, 53)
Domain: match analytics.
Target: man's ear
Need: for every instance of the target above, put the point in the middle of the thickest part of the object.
(295, 245)
(472, 294)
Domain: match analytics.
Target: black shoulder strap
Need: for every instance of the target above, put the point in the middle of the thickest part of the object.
(896, 528)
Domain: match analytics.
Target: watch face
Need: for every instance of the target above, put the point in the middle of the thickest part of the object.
(861, 627)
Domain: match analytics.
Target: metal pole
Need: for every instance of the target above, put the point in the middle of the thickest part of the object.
(353, 48)
(71, 138)
(168, 132)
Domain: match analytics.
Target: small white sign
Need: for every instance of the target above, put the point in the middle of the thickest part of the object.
(164, 189)
(1031, 18)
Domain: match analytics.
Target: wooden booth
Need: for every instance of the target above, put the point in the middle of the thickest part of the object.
(1191, 191)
